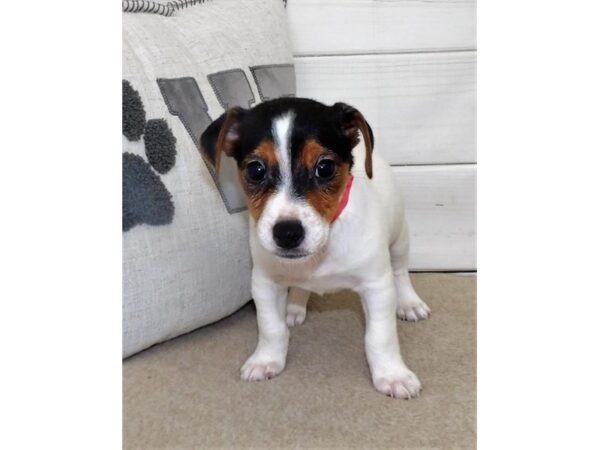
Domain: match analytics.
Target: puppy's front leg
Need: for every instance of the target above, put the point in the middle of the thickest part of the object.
(273, 335)
(388, 371)
(296, 306)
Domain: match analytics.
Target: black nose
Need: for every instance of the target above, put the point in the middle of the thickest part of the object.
(288, 233)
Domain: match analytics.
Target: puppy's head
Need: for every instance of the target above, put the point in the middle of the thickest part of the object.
(294, 158)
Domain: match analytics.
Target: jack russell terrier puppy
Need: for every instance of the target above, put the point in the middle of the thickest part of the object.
(318, 223)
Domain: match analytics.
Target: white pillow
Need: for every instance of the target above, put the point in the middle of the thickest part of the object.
(186, 261)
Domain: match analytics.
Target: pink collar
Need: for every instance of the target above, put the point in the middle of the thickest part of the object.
(343, 200)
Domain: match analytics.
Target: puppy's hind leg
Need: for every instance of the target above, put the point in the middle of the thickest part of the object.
(409, 306)
(296, 306)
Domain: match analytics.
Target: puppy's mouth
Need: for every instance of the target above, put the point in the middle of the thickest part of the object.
(291, 254)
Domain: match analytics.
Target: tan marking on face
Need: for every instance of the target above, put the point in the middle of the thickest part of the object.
(257, 200)
(266, 152)
(257, 203)
(325, 201)
(311, 152)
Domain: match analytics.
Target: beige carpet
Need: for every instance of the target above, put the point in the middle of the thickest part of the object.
(186, 393)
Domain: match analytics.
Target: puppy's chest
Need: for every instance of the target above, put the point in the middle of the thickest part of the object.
(326, 278)
(325, 285)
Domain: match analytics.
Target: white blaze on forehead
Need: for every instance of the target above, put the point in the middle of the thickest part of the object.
(282, 131)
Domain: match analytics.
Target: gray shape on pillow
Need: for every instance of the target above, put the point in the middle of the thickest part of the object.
(184, 100)
(145, 197)
(275, 80)
(159, 143)
(229, 186)
(134, 116)
(232, 88)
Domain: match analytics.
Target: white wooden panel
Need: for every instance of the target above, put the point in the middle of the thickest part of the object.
(421, 106)
(441, 210)
(320, 27)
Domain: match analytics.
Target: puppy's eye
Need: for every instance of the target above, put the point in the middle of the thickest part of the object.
(325, 169)
(256, 171)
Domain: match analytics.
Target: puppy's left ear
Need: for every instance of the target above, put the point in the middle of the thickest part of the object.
(352, 121)
(222, 136)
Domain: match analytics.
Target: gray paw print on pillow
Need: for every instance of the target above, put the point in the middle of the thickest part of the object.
(145, 197)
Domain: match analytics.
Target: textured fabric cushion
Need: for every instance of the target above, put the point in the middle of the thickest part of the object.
(186, 261)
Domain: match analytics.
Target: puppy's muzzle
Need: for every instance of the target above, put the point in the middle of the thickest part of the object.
(288, 234)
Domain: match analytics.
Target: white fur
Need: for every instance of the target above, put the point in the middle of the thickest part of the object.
(282, 130)
(365, 250)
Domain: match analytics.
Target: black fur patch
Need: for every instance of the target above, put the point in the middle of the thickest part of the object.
(134, 116)
(312, 120)
(159, 143)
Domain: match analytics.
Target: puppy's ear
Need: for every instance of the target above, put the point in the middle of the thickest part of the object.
(222, 136)
(352, 121)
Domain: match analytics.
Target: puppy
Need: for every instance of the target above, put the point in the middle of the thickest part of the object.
(320, 223)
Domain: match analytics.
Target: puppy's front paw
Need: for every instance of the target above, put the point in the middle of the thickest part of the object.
(257, 369)
(401, 384)
(413, 309)
(295, 315)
